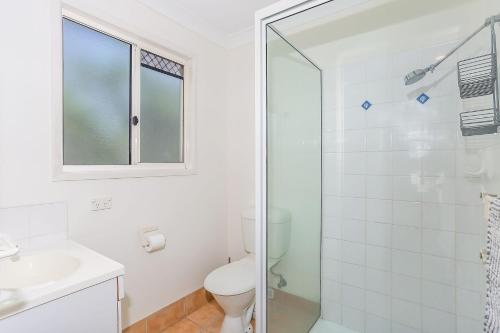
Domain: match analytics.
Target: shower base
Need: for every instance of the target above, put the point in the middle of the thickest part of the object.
(323, 326)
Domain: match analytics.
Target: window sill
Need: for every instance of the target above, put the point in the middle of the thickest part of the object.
(94, 172)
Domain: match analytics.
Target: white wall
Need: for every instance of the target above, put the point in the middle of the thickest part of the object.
(240, 142)
(191, 210)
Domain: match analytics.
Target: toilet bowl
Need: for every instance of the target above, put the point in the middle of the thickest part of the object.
(233, 285)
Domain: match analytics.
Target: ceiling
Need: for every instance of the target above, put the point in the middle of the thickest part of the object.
(226, 22)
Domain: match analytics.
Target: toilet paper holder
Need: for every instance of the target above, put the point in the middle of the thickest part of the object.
(152, 239)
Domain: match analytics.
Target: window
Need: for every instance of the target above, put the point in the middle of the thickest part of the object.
(123, 103)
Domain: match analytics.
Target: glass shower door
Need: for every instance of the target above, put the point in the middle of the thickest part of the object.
(293, 188)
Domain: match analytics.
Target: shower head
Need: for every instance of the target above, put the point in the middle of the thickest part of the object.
(415, 76)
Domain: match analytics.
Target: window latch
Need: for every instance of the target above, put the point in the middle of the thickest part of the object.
(135, 120)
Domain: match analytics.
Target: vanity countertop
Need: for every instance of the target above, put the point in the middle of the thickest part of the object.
(37, 277)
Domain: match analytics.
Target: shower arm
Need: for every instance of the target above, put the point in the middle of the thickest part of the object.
(489, 21)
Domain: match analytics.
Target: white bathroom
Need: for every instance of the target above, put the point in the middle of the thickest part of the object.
(292, 166)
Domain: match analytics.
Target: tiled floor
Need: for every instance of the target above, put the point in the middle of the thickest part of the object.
(207, 319)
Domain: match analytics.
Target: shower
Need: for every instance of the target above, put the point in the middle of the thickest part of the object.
(381, 179)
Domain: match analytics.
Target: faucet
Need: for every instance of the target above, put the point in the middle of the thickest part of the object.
(7, 247)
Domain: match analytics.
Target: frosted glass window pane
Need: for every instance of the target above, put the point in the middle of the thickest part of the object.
(96, 97)
(161, 117)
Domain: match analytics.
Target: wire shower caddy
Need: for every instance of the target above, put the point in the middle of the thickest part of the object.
(478, 76)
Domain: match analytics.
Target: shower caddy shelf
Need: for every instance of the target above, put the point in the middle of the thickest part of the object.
(477, 77)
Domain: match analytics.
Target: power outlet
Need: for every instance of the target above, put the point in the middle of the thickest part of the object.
(101, 204)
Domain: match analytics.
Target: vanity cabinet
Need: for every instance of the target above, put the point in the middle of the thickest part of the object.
(95, 309)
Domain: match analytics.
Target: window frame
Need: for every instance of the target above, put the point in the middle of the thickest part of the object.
(135, 168)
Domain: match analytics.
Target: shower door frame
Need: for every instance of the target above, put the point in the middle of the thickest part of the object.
(263, 17)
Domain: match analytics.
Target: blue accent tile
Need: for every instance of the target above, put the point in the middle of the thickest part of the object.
(366, 105)
(423, 98)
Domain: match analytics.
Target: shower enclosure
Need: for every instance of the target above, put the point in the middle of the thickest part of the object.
(384, 183)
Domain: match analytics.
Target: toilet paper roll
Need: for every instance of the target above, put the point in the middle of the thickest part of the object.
(155, 242)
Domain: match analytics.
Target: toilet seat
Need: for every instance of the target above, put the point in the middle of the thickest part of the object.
(232, 279)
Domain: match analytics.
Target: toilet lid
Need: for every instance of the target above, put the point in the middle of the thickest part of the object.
(232, 279)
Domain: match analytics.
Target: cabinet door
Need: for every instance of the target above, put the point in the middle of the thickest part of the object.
(92, 310)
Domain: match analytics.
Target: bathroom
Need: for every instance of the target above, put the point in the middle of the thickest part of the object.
(306, 185)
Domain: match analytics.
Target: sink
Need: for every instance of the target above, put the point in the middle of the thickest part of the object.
(28, 271)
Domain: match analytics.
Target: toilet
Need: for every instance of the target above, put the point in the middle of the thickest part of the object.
(233, 285)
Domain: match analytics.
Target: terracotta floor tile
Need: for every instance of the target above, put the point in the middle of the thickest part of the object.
(195, 300)
(166, 317)
(206, 316)
(183, 326)
(139, 327)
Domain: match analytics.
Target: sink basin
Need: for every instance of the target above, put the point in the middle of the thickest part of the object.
(35, 270)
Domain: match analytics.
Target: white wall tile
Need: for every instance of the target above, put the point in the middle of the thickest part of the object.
(466, 325)
(380, 163)
(378, 139)
(332, 248)
(399, 328)
(378, 257)
(353, 208)
(378, 304)
(378, 281)
(375, 324)
(406, 288)
(406, 162)
(330, 122)
(353, 230)
(468, 247)
(353, 297)
(354, 115)
(438, 189)
(379, 210)
(353, 319)
(438, 296)
(332, 269)
(353, 275)
(331, 290)
(407, 263)
(354, 163)
(436, 321)
(379, 187)
(332, 207)
(469, 304)
(353, 253)
(15, 222)
(438, 243)
(439, 163)
(378, 234)
(332, 311)
(438, 216)
(406, 313)
(353, 73)
(381, 115)
(469, 219)
(406, 238)
(407, 213)
(332, 228)
(438, 269)
(469, 276)
(467, 192)
(354, 141)
(353, 186)
(406, 188)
